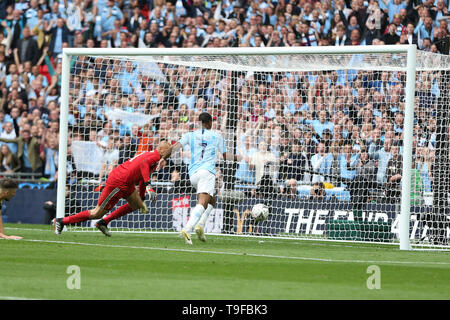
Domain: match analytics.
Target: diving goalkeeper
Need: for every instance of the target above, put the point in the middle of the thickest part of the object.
(121, 185)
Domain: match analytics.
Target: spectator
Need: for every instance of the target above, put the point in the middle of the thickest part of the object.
(187, 97)
(294, 164)
(425, 29)
(355, 38)
(290, 190)
(109, 160)
(424, 164)
(320, 124)
(108, 16)
(9, 133)
(31, 14)
(28, 151)
(367, 173)
(348, 162)
(371, 31)
(340, 36)
(245, 151)
(391, 37)
(27, 48)
(60, 34)
(393, 7)
(194, 8)
(75, 18)
(317, 191)
(321, 163)
(262, 161)
(308, 33)
(426, 44)
(51, 159)
(54, 14)
(9, 162)
(137, 22)
(410, 36)
(439, 12)
(399, 27)
(394, 175)
(16, 24)
(127, 146)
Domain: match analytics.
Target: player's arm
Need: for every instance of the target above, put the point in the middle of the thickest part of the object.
(145, 182)
(2, 230)
(177, 145)
(146, 187)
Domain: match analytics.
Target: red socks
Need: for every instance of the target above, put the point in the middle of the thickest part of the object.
(121, 211)
(79, 217)
(85, 215)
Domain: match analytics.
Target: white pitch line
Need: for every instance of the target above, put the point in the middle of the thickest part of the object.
(16, 298)
(237, 253)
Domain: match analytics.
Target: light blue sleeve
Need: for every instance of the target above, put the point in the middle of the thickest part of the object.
(184, 141)
(119, 13)
(417, 29)
(382, 5)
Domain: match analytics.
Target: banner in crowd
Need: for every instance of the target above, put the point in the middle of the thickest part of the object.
(134, 118)
(87, 156)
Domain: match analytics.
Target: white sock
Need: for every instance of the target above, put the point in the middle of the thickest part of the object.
(205, 215)
(196, 213)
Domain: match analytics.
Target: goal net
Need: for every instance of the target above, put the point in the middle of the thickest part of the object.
(321, 139)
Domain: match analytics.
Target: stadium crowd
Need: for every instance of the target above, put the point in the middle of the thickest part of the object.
(299, 128)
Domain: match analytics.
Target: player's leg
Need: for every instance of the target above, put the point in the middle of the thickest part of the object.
(95, 213)
(125, 209)
(107, 200)
(202, 204)
(185, 233)
(199, 228)
(196, 213)
(208, 183)
(136, 202)
(204, 182)
(205, 215)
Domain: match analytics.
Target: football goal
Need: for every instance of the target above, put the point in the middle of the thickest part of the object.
(340, 143)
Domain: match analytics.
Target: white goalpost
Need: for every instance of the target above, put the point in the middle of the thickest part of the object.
(341, 143)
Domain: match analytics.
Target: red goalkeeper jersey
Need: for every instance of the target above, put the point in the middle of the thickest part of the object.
(137, 169)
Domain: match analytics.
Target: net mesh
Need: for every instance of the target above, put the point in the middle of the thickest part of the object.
(319, 138)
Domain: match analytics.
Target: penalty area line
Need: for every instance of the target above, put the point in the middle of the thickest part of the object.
(244, 254)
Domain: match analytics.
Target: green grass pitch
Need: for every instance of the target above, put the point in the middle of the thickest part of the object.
(160, 266)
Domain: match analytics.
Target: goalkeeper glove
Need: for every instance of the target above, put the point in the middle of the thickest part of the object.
(151, 193)
(144, 209)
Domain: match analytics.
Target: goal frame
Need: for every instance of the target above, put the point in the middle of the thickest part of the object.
(409, 50)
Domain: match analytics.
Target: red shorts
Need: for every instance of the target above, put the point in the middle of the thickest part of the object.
(112, 194)
(114, 190)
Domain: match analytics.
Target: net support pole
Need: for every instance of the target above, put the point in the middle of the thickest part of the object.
(63, 135)
(405, 210)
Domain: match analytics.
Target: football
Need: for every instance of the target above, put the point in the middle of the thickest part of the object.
(260, 212)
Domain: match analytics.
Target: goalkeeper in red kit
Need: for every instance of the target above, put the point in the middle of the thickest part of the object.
(121, 184)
